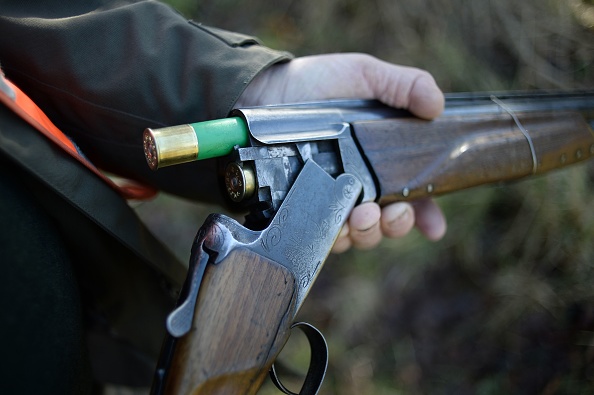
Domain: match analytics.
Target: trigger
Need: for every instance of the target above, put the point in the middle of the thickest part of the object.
(317, 365)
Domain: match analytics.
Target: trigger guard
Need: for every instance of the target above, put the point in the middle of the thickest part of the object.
(317, 365)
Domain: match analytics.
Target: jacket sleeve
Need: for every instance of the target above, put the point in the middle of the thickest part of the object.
(103, 71)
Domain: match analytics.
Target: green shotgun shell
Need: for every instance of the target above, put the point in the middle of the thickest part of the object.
(187, 143)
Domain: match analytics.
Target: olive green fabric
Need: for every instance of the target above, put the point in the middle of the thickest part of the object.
(105, 70)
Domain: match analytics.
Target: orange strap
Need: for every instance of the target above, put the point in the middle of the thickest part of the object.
(22, 105)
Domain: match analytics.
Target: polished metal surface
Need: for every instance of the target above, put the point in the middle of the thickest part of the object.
(299, 237)
(170, 146)
(312, 121)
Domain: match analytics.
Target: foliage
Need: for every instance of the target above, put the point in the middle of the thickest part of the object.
(478, 45)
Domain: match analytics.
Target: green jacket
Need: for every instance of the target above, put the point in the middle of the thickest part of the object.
(105, 70)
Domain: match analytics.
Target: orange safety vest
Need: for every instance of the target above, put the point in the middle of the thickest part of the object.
(16, 100)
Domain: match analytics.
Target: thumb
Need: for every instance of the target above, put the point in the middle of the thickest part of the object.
(404, 87)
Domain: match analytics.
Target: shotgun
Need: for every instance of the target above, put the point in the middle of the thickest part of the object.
(298, 170)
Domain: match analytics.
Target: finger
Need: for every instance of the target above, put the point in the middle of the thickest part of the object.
(425, 99)
(397, 219)
(343, 241)
(364, 226)
(429, 219)
(405, 87)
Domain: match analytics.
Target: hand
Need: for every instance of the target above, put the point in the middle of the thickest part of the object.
(360, 76)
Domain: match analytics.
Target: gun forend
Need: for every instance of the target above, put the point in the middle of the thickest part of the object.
(412, 159)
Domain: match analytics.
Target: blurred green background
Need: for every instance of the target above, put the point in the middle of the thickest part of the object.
(504, 304)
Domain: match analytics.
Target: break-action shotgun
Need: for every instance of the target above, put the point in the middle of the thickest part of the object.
(299, 170)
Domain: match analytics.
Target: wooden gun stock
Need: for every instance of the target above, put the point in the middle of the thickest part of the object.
(412, 158)
(243, 318)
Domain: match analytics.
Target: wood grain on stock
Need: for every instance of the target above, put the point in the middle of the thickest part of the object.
(412, 158)
(243, 315)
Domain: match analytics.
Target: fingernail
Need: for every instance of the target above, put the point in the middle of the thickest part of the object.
(366, 229)
(399, 212)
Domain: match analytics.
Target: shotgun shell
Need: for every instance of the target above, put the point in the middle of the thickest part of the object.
(187, 143)
(240, 182)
